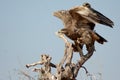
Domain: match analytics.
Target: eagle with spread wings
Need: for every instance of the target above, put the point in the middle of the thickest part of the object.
(79, 23)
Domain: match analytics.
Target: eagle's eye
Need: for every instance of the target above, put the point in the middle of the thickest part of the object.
(87, 5)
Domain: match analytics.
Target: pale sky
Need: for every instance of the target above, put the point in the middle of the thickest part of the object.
(27, 30)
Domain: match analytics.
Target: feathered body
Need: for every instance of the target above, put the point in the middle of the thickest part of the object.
(79, 23)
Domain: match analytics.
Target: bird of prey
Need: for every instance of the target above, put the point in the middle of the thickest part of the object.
(79, 23)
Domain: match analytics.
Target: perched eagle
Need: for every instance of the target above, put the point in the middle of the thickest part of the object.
(79, 23)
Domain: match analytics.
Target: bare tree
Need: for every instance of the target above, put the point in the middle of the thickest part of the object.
(67, 72)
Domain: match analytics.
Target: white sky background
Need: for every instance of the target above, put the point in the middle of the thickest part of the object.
(27, 30)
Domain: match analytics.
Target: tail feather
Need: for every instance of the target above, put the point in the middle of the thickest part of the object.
(100, 39)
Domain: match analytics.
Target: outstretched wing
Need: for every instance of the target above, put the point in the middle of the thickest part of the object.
(92, 15)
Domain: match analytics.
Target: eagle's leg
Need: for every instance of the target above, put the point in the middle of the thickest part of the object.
(78, 48)
(90, 49)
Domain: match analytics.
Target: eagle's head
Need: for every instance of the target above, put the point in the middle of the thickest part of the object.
(87, 5)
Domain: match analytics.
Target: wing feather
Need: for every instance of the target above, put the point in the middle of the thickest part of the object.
(93, 15)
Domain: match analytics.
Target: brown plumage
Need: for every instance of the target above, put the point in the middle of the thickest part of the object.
(87, 12)
(79, 23)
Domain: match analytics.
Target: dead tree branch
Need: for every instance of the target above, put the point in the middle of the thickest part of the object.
(67, 72)
(45, 71)
(27, 75)
(82, 60)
